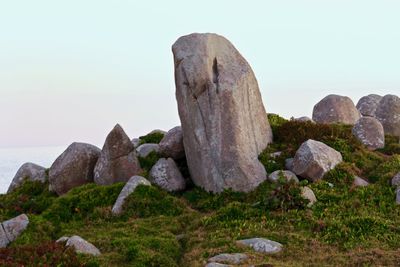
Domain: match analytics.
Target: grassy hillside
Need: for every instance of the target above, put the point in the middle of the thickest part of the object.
(347, 226)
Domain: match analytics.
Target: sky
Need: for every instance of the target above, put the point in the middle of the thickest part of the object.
(70, 70)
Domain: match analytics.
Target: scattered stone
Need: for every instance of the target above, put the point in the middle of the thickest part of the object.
(216, 264)
(28, 171)
(336, 109)
(388, 113)
(11, 229)
(308, 194)
(396, 180)
(261, 245)
(118, 161)
(224, 123)
(304, 119)
(74, 167)
(233, 258)
(289, 164)
(359, 182)
(287, 175)
(135, 142)
(367, 105)
(171, 146)
(398, 196)
(314, 159)
(275, 154)
(80, 245)
(145, 149)
(129, 188)
(369, 131)
(166, 175)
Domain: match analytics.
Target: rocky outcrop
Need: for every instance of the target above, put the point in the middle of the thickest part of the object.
(80, 245)
(118, 161)
(367, 105)
(229, 258)
(11, 229)
(388, 113)
(74, 167)
(336, 109)
(314, 159)
(128, 189)
(145, 149)
(261, 245)
(166, 175)
(286, 175)
(369, 131)
(171, 146)
(308, 194)
(224, 123)
(28, 171)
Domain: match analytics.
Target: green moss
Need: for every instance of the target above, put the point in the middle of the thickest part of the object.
(151, 138)
(148, 162)
(386, 170)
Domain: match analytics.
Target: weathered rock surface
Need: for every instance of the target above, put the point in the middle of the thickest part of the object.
(398, 196)
(74, 167)
(367, 105)
(166, 175)
(171, 146)
(11, 229)
(145, 149)
(336, 109)
(80, 245)
(314, 159)
(118, 161)
(359, 182)
(308, 194)
(129, 188)
(232, 258)
(369, 131)
(388, 113)
(135, 142)
(28, 171)
(216, 264)
(289, 164)
(224, 123)
(396, 180)
(261, 245)
(287, 175)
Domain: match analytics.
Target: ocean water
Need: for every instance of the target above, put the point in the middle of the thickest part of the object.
(12, 158)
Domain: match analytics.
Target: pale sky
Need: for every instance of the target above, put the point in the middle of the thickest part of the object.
(70, 70)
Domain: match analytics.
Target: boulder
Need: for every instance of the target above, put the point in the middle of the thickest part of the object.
(118, 161)
(396, 180)
(145, 149)
(129, 188)
(171, 146)
(308, 194)
(261, 245)
(287, 175)
(11, 229)
(367, 105)
(314, 159)
(289, 164)
(80, 245)
(74, 167)
(224, 123)
(369, 131)
(28, 171)
(388, 113)
(166, 175)
(359, 182)
(232, 258)
(336, 109)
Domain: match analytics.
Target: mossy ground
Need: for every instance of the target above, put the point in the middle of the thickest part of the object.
(347, 226)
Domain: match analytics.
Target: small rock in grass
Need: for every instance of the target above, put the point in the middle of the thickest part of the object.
(261, 245)
(287, 175)
(398, 196)
(359, 182)
(233, 258)
(396, 180)
(12, 228)
(80, 245)
(215, 264)
(308, 194)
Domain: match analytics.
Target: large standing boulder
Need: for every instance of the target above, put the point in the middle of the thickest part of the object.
(171, 146)
(224, 123)
(74, 167)
(314, 159)
(166, 175)
(369, 131)
(118, 161)
(28, 171)
(11, 229)
(388, 113)
(336, 109)
(367, 105)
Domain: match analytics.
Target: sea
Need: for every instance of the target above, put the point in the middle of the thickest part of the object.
(12, 158)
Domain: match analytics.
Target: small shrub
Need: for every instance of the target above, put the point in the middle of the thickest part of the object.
(151, 138)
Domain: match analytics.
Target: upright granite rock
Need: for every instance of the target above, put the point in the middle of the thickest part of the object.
(166, 175)
(369, 131)
(11, 229)
(336, 109)
(224, 123)
(388, 113)
(171, 146)
(118, 161)
(314, 159)
(28, 171)
(367, 105)
(74, 167)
